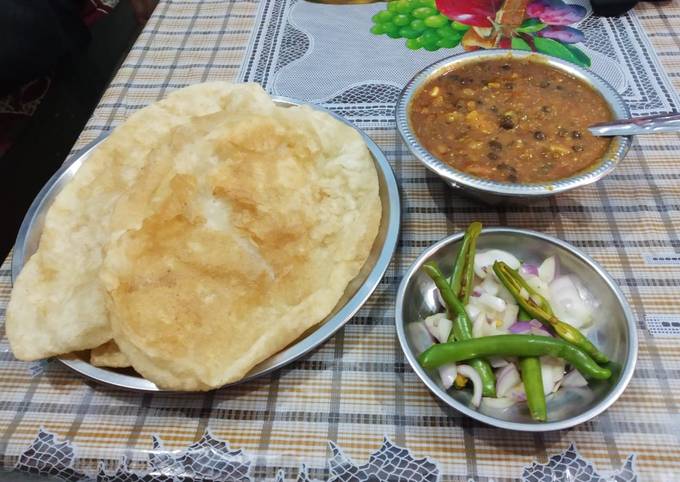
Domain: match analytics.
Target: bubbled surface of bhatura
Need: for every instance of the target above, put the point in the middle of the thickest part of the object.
(58, 303)
(241, 232)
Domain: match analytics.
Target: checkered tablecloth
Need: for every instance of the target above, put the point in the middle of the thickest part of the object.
(324, 415)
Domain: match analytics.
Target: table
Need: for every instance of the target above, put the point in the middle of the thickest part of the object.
(354, 407)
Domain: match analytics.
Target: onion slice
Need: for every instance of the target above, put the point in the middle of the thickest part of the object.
(546, 272)
(531, 269)
(440, 300)
(498, 362)
(478, 325)
(485, 260)
(492, 302)
(419, 336)
(510, 316)
(567, 302)
(552, 371)
(473, 376)
(489, 286)
(517, 393)
(574, 379)
(472, 311)
(520, 327)
(538, 328)
(439, 326)
(507, 378)
(448, 373)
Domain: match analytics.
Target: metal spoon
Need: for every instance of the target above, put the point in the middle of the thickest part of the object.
(638, 125)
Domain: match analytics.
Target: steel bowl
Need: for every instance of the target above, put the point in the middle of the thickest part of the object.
(493, 191)
(614, 332)
(355, 295)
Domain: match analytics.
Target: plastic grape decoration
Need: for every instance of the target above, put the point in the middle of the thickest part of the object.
(420, 23)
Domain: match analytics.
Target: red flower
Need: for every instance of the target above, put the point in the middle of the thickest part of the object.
(476, 13)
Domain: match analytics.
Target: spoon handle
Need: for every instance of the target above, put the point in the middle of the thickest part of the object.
(638, 125)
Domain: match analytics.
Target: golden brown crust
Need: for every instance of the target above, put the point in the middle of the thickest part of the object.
(251, 228)
(58, 304)
(108, 355)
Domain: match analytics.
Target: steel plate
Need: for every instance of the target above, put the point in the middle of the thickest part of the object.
(356, 293)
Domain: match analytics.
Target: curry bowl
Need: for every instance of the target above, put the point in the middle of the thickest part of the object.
(494, 191)
(613, 332)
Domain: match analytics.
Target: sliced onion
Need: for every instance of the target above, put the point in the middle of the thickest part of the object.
(558, 373)
(439, 327)
(498, 362)
(473, 376)
(440, 300)
(520, 327)
(419, 336)
(538, 285)
(574, 379)
(448, 373)
(517, 393)
(584, 294)
(494, 324)
(505, 295)
(538, 328)
(492, 302)
(546, 272)
(478, 325)
(499, 403)
(567, 303)
(552, 371)
(528, 268)
(510, 316)
(507, 378)
(536, 324)
(485, 260)
(547, 376)
(489, 286)
(473, 311)
(557, 386)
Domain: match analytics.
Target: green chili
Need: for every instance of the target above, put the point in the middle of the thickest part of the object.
(462, 326)
(523, 315)
(538, 307)
(464, 270)
(530, 367)
(513, 345)
(532, 378)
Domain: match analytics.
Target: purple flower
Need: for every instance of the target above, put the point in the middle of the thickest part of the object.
(567, 35)
(555, 12)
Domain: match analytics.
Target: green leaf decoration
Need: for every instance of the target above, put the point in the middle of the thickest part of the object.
(557, 49)
(582, 59)
(531, 25)
(520, 44)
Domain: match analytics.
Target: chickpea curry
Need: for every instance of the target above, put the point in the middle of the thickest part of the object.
(510, 120)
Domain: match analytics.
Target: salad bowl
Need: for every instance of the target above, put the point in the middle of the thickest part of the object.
(613, 329)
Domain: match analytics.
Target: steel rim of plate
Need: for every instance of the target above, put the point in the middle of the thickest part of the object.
(601, 406)
(477, 184)
(289, 354)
